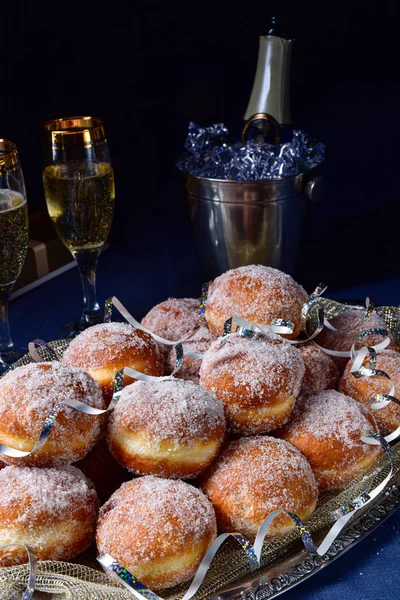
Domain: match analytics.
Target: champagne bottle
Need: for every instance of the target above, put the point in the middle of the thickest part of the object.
(268, 117)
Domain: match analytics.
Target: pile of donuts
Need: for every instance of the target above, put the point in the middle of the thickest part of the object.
(257, 425)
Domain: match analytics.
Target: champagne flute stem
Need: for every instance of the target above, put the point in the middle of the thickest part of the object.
(87, 264)
(6, 343)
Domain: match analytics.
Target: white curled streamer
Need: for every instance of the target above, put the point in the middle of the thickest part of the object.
(253, 552)
(141, 591)
(52, 416)
(132, 321)
(276, 330)
(319, 290)
(370, 438)
(30, 588)
(358, 357)
(261, 327)
(81, 407)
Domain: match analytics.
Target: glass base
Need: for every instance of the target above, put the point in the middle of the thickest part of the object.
(74, 328)
(9, 359)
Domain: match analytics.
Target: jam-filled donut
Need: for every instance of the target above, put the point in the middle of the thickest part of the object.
(255, 476)
(172, 428)
(104, 349)
(199, 342)
(172, 320)
(362, 389)
(159, 529)
(256, 293)
(52, 510)
(326, 427)
(27, 396)
(258, 380)
(321, 371)
(349, 324)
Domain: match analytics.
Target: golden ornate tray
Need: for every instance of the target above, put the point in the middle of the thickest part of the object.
(285, 563)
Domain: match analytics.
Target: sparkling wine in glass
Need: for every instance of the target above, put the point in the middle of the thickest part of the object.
(13, 241)
(79, 187)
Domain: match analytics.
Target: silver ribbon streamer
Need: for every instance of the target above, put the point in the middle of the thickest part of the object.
(113, 301)
(357, 369)
(41, 344)
(52, 416)
(253, 552)
(30, 588)
(141, 591)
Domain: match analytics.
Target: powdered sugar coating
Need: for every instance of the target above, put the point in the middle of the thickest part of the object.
(330, 415)
(327, 428)
(151, 518)
(253, 373)
(31, 496)
(256, 293)
(350, 323)
(53, 510)
(362, 389)
(321, 371)
(106, 343)
(171, 428)
(174, 410)
(255, 476)
(260, 366)
(172, 319)
(199, 342)
(30, 392)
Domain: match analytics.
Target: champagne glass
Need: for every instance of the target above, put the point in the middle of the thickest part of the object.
(13, 241)
(79, 187)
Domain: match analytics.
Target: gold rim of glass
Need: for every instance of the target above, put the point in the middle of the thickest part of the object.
(8, 154)
(68, 130)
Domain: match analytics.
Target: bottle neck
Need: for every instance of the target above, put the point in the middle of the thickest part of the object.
(271, 89)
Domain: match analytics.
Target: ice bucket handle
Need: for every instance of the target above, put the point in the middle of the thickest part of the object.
(314, 188)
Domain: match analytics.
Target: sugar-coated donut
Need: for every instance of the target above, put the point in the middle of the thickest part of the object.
(159, 529)
(199, 342)
(326, 427)
(29, 393)
(321, 371)
(256, 293)
(172, 428)
(104, 349)
(52, 510)
(349, 324)
(257, 379)
(103, 471)
(362, 389)
(255, 476)
(172, 320)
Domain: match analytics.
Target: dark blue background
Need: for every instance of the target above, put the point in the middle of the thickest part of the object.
(148, 68)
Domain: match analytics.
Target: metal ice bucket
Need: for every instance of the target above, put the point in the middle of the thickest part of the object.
(239, 223)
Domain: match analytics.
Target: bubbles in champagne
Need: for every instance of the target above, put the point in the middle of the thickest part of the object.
(80, 200)
(13, 235)
(9, 199)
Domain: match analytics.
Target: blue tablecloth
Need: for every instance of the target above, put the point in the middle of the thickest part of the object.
(143, 275)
